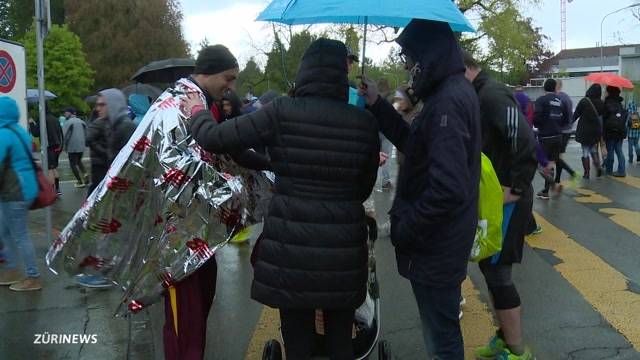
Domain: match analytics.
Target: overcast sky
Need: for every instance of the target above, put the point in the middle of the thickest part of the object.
(232, 23)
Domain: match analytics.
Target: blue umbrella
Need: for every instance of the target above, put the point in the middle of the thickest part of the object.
(395, 13)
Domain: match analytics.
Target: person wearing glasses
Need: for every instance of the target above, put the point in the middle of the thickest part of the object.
(109, 133)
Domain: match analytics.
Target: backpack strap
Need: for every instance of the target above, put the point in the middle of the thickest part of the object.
(26, 149)
(595, 111)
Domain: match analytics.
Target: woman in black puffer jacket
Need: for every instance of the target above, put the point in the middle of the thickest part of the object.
(614, 130)
(589, 130)
(324, 154)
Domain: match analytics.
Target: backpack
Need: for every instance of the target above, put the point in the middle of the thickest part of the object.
(635, 121)
(488, 239)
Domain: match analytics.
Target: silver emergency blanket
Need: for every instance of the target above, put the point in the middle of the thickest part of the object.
(164, 208)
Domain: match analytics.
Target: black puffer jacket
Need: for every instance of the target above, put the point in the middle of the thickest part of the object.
(614, 119)
(435, 211)
(589, 111)
(324, 154)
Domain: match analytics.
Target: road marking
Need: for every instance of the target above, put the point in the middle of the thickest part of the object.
(626, 218)
(629, 180)
(477, 325)
(591, 197)
(600, 284)
(268, 327)
(477, 321)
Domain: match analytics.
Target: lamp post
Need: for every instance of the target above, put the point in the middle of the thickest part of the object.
(602, 23)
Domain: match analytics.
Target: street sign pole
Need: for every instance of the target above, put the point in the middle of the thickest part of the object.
(42, 16)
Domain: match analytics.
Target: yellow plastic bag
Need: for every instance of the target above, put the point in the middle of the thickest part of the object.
(488, 239)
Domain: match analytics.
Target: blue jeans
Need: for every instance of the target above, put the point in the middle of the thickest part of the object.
(614, 145)
(14, 234)
(439, 309)
(633, 144)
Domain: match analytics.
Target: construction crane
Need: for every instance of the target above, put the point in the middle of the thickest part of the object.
(563, 23)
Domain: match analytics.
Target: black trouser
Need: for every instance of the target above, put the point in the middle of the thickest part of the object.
(504, 294)
(552, 147)
(298, 333)
(98, 172)
(560, 163)
(75, 162)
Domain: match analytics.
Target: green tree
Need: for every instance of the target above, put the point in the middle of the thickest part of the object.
(67, 73)
(251, 79)
(16, 16)
(6, 27)
(122, 36)
(283, 63)
(514, 46)
(276, 67)
(508, 51)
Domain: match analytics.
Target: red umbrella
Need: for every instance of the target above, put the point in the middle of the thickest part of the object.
(609, 79)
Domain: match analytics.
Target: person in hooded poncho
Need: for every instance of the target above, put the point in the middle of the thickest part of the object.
(435, 212)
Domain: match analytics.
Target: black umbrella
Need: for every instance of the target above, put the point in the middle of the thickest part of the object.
(164, 71)
(143, 89)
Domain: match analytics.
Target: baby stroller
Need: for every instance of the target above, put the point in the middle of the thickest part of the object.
(366, 322)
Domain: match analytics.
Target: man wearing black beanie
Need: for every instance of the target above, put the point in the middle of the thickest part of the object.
(547, 117)
(215, 73)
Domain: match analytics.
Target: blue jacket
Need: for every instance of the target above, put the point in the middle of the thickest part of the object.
(18, 180)
(435, 211)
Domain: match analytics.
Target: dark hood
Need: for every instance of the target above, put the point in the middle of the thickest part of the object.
(594, 92)
(323, 71)
(434, 47)
(614, 98)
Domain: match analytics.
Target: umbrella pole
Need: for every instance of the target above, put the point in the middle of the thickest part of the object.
(364, 43)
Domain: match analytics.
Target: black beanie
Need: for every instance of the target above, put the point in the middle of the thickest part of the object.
(215, 59)
(550, 85)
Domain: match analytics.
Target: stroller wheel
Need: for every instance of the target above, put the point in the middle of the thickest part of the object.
(272, 350)
(384, 353)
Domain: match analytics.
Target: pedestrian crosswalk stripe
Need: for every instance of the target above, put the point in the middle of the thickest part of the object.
(477, 321)
(267, 328)
(591, 197)
(477, 324)
(629, 180)
(628, 219)
(600, 284)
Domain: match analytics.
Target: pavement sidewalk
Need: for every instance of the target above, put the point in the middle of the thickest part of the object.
(33, 322)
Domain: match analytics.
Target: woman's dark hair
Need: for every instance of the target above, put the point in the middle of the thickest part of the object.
(613, 91)
(594, 91)
(236, 105)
